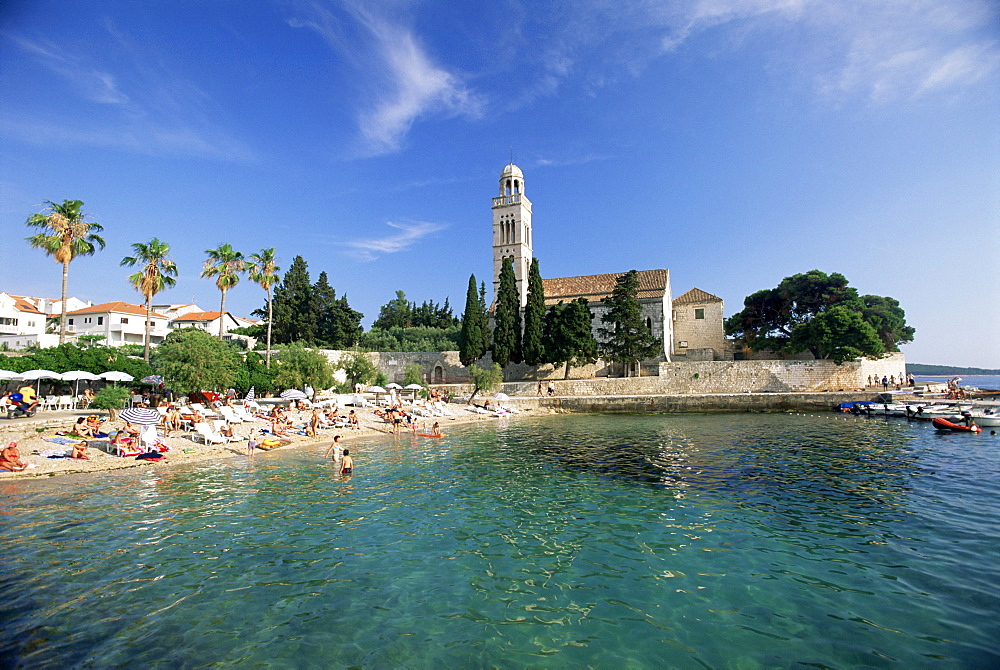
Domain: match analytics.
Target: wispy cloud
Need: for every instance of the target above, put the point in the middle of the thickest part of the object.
(880, 51)
(408, 235)
(141, 107)
(407, 83)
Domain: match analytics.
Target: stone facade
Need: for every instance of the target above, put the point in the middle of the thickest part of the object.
(699, 331)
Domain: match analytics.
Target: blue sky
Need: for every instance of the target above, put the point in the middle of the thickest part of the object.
(734, 143)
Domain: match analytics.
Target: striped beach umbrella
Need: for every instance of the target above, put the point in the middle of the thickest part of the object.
(140, 416)
(293, 394)
(250, 395)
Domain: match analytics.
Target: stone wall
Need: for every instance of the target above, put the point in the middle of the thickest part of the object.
(690, 377)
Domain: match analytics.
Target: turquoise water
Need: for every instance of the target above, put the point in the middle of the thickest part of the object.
(724, 541)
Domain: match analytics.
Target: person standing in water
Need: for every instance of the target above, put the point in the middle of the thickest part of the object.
(347, 467)
(335, 449)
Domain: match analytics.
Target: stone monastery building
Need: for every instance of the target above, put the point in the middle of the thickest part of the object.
(690, 326)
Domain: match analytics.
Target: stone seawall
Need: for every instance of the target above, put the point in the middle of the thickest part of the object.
(723, 402)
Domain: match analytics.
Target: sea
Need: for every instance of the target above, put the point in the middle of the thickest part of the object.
(604, 541)
(982, 382)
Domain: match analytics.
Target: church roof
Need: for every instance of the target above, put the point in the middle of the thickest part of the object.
(595, 288)
(696, 295)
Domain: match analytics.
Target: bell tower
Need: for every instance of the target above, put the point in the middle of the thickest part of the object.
(512, 229)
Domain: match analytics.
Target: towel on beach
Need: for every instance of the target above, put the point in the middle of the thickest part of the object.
(59, 439)
(54, 453)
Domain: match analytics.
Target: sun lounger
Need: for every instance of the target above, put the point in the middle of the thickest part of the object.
(208, 435)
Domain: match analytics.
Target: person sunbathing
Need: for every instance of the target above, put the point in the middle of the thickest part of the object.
(82, 428)
(352, 420)
(94, 423)
(80, 451)
(132, 431)
(10, 459)
(196, 417)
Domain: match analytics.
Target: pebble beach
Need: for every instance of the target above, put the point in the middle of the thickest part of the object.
(184, 447)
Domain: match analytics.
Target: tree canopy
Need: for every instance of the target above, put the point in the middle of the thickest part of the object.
(157, 274)
(311, 313)
(192, 360)
(65, 234)
(568, 335)
(298, 367)
(628, 339)
(821, 314)
(225, 265)
(262, 268)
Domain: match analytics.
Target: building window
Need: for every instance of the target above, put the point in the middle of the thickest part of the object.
(86, 319)
(683, 344)
(124, 319)
(100, 321)
(69, 322)
(699, 313)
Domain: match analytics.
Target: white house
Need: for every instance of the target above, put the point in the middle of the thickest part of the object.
(23, 320)
(209, 322)
(119, 322)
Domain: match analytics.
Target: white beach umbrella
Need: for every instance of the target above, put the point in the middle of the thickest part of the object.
(293, 394)
(502, 397)
(393, 385)
(116, 376)
(76, 376)
(413, 387)
(40, 374)
(6, 375)
(375, 389)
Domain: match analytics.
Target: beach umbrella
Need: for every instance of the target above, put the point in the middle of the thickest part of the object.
(393, 385)
(413, 387)
(6, 375)
(116, 376)
(502, 397)
(152, 379)
(293, 394)
(140, 416)
(76, 376)
(40, 374)
(375, 389)
(250, 395)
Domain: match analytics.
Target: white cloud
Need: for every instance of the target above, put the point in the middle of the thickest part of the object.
(402, 78)
(410, 234)
(95, 85)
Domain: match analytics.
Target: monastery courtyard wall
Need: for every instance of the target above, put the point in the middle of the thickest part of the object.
(695, 377)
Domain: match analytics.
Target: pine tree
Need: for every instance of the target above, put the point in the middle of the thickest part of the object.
(568, 335)
(472, 340)
(534, 315)
(295, 316)
(507, 318)
(629, 339)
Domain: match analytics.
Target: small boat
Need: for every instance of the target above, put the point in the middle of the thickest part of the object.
(945, 424)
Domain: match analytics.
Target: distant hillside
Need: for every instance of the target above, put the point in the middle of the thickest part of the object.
(919, 369)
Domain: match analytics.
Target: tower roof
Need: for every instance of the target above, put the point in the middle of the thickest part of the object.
(696, 295)
(511, 170)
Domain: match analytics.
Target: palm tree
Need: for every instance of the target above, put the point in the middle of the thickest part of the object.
(157, 274)
(262, 269)
(225, 264)
(65, 235)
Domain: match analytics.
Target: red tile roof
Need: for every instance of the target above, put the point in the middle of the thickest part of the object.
(696, 295)
(117, 306)
(198, 316)
(595, 288)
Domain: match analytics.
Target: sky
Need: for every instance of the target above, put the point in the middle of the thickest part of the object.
(735, 142)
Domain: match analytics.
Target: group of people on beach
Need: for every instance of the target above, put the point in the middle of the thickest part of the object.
(892, 381)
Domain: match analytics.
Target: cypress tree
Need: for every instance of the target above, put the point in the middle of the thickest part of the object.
(568, 335)
(507, 318)
(628, 340)
(534, 314)
(472, 340)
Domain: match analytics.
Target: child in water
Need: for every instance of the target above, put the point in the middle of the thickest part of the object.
(348, 465)
(335, 448)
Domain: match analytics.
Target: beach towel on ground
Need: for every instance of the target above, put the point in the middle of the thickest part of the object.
(59, 439)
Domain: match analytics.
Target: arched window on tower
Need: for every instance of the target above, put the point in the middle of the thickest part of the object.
(649, 324)
(506, 188)
(517, 186)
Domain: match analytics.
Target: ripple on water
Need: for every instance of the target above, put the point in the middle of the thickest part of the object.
(751, 540)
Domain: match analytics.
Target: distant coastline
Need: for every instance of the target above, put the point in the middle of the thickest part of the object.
(920, 369)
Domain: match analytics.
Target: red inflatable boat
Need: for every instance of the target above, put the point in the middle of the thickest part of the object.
(944, 424)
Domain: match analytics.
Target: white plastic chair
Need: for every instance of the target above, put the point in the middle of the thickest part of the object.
(66, 402)
(209, 435)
